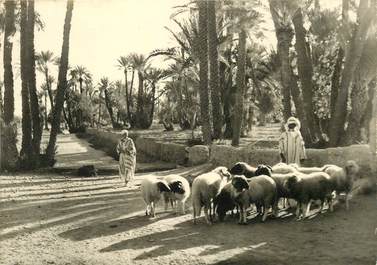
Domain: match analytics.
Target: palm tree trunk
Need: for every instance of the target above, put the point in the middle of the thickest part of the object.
(305, 71)
(359, 101)
(9, 130)
(46, 116)
(7, 57)
(214, 70)
(284, 36)
(99, 111)
(131, 88)
(203, 73)
(62, 83)
(351, 62)
(26, 152)
(34, 103)
(240, 79)
(127, 96)
(109, 108)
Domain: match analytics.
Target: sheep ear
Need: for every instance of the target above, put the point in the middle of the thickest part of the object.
(269, 167)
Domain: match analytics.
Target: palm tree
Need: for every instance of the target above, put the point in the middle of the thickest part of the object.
(203, 73)
(106, 86)
(214, 70)
(82, 74)
(34, 103)
(26, 152)
(140, 64)
(365, 16)
(62, 84)
(45, 93)
(9, 130)
(124, 63)
(45, 59)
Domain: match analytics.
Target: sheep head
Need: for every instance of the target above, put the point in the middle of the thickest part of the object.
(237, 169)
(223, 172)
(291, 183)
(240, 183)
(177, 187)
(263, 170)
(163, 186)
(351, 168)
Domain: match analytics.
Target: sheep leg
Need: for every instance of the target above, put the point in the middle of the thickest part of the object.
(244, 216)
(298, 208)
(304, 209)
(264, 213)
(206, 214)
(240, 215)
(308, 208)
(183, 207)
(347, 201)
(153, 210)
(166, 202)
(147, 210)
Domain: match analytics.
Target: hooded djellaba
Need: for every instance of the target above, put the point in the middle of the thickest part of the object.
(127, 157)
(291, 143)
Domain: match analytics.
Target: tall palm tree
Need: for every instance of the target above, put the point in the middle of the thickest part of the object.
(365, 16)
(140, 64)
(26, 152)
(34, 103)
(105, 86)
(214, 69)
(9, 130)
(45, 59)
(62, 84)
(203, 73)
(82, 75)
(124, 64)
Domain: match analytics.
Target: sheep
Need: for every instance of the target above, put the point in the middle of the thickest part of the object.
(205, 188)
(307, 170)
(151, 189)
(306, 187)
(242, 168)
(180, 191)
(283, 168)
(260, 190)
(343, 178)
(279, 179)
(225, 201)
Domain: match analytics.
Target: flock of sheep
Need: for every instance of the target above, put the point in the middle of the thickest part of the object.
(223, 190)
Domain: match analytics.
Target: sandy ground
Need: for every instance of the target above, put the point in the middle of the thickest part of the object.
(54, 219)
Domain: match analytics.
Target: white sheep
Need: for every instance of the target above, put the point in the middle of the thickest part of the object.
(205, 188)
(343, 178)
(283, 168)
(180, 192)
(151, 189)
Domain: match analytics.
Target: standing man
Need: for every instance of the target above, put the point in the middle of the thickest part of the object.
(127, 157)
(291, 143)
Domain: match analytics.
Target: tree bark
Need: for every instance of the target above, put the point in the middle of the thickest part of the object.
(127, 96)
(7, 57)
(305, 71)
(284, 37)
(34, 103)
(351, 62)
(62, 84)
(203, 73)
(214, 70)
(109, 108)
(26, 152)
(238, 110)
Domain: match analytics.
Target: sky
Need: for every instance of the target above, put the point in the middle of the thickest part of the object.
(104, 30)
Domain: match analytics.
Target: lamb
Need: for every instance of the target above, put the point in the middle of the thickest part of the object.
(304, 188)
(151, 189)
(242, 168)
(260, 190)
(307, 170)
(225, 201)
(180, 192)
(205, 188)
(343, 178)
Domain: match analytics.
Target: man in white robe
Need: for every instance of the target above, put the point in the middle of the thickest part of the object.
(291, 143)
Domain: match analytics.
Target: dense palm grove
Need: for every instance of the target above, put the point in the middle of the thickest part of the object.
(220, 76)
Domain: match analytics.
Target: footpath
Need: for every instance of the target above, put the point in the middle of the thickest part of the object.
(74, 152)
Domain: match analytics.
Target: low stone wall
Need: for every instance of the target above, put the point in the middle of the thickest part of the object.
(147, 149)
(228, 155)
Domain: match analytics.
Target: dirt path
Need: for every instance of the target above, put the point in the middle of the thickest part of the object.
(52, 219)
(74, 152)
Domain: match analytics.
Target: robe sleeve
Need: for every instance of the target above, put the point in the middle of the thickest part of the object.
(301, 146)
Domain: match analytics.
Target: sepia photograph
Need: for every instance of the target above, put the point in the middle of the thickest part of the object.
(188, 132)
